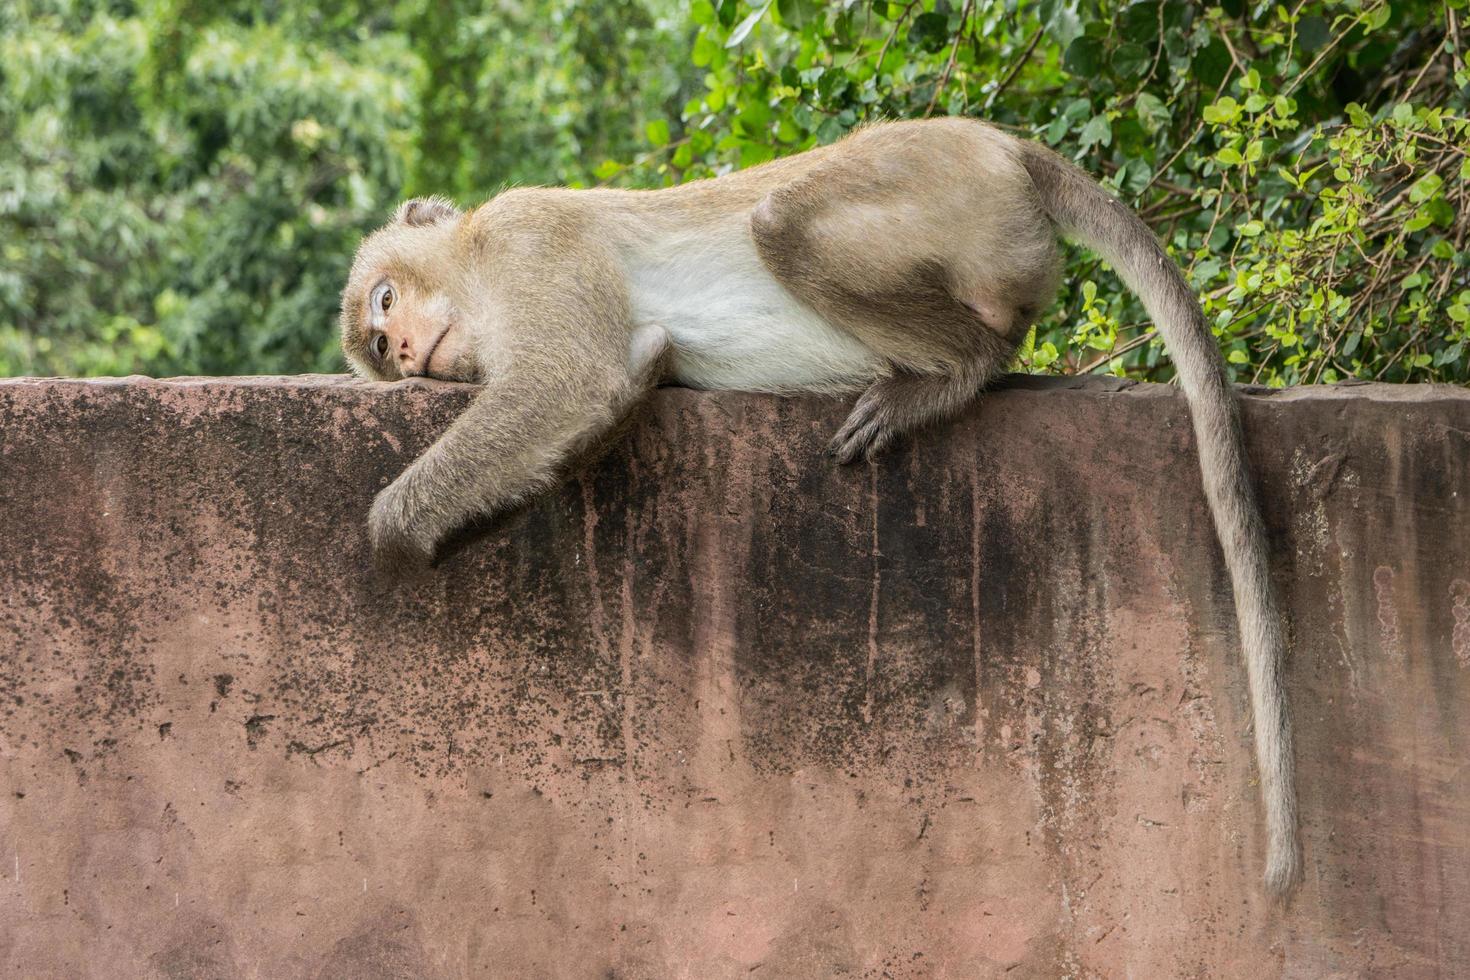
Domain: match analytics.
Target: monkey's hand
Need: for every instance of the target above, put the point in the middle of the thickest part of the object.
(401, 544)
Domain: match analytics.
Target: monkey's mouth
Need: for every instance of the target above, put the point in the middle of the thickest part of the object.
(429, 359)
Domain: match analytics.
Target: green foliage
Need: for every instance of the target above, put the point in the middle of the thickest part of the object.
(186, 181)
(1306, 164)
(536, 93)
(182, 183)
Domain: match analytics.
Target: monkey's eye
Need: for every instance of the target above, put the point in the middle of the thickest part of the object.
(380, 346)
(383, 298)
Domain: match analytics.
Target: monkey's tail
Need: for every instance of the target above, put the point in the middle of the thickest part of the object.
(1083, 210)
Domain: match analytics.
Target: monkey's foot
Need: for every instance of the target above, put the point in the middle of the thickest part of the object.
(893, 407)
(865, 434)
(883, 413)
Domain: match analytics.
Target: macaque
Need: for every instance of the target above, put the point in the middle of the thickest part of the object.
(905, 262)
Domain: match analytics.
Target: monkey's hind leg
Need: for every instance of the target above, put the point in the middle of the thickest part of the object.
(933, 276)
(904, 402)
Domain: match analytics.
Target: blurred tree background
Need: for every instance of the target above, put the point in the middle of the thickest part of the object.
(182, 183)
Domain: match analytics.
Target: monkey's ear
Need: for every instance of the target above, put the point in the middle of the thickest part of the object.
(426, 211)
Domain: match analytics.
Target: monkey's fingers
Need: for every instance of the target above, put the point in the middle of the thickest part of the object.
(400, 557)
(397, 551)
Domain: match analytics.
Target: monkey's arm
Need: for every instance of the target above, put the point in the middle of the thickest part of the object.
(558, 374)
(508, 444)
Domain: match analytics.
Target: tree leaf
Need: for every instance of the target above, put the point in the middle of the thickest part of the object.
(1063, 25)
(930, 31)
(744, 28)
(1097, 130)
(1132, 60)
(1425, 187)
(1153, 114)
(1084, 56)
(704, 51)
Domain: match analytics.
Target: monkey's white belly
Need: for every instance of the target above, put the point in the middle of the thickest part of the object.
(734, 326)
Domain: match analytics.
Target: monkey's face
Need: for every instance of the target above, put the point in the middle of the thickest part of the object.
(398, 318)
(411, 332)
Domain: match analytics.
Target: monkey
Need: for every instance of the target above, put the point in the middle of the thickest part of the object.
(906, 262)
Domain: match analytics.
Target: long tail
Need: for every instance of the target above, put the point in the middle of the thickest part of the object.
(1081, 209)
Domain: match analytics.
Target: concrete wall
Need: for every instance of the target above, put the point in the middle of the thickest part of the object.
(717, 708)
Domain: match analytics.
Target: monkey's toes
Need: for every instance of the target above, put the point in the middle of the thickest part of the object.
(867, 432)
(865, 440)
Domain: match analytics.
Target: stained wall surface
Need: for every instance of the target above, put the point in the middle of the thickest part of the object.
(717, 708)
